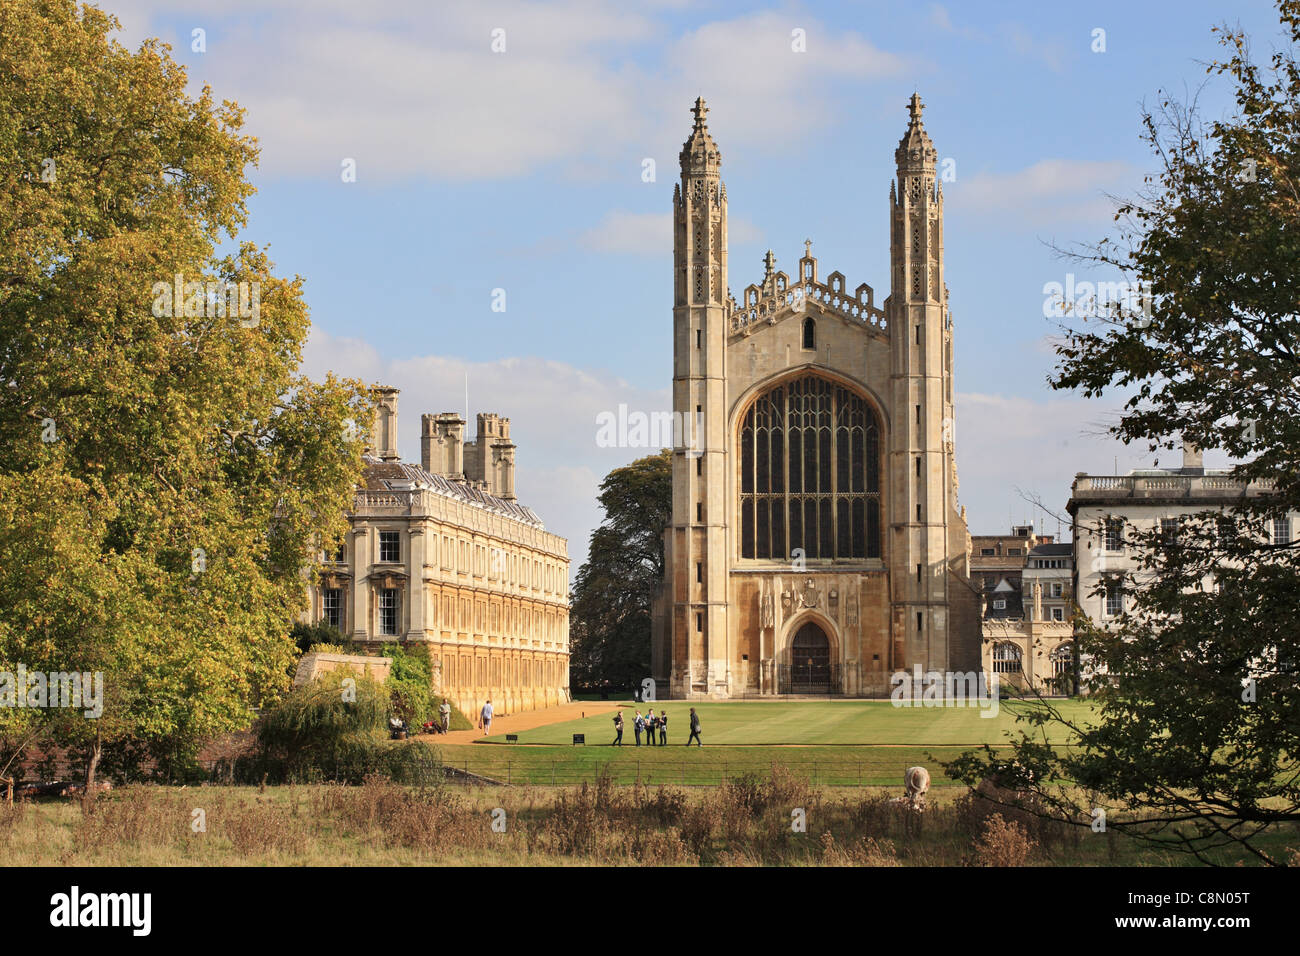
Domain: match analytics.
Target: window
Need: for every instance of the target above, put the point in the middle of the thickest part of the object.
(1000, 604)
(809, 334)
(390, 546)
(332, 605)
(810, 473)
(1114, 600)
(1063, 660)
(1058, 589)
(1169, 532)
(699, 622)
(339, 554)
(1058, 614)
(1006, 658)
(986, 552)
(388, 611)
(699, 573)
(1281, 530)
(699, 338)
(1013, 552)
(1114, 534)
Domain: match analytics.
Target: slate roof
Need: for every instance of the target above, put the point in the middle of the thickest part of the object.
(399, 476)
(1052, 550)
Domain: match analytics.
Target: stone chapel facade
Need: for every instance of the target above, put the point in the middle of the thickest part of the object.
(815, 545)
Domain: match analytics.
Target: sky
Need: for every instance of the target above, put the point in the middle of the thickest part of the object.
(500, 154)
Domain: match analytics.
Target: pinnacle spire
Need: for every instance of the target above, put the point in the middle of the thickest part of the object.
(915, 149)
(914, 107)
(700, 111)
(700, 156)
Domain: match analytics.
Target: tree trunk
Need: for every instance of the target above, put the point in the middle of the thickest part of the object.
(96, 751)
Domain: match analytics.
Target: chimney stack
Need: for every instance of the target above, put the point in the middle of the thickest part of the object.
(384, 439)
(1192, 463)
(442, 440)
(490, 458)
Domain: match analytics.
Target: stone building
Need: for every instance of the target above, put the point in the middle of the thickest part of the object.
(1027, 627)
(1106, 508)
(815, 545)
(443, 553)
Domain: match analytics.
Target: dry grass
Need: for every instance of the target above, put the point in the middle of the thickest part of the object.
(750, 821)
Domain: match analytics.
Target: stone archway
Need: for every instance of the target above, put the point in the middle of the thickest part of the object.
(807, 668)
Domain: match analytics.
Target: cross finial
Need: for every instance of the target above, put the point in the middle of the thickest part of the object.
(700, 111)
(807, 248)
(914, 107)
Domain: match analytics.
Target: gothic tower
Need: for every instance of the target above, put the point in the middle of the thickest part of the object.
(815, 546)
(920, 460)
(698, 602)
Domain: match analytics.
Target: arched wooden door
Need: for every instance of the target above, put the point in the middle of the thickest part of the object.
(808, 669)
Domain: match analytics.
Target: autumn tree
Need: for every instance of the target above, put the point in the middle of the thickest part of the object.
(1197, 735)
(610, 616)
(168, 475)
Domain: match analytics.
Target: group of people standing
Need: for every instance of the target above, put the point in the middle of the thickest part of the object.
(650, 725)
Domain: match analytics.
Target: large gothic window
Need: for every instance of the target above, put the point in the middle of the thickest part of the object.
(810, 474)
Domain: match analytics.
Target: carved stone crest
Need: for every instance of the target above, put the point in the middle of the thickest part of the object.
(809, 596)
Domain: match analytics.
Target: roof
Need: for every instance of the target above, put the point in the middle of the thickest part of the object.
(1050, 550)
(399, 476)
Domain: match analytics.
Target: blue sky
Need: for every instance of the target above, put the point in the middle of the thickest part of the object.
(522, 170)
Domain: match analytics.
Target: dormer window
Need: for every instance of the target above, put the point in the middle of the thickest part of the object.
(809, 334)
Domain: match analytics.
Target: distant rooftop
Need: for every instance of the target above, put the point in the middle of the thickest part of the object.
(399, 476)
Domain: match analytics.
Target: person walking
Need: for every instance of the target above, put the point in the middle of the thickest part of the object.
(663, 728)
(618, 729)
(485, 717)
(695, 730)
(650, 724)
(445, 713)
(638, 725)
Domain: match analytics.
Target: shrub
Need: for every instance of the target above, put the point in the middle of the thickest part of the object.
(1002, 844)
(307, 636)
(410, 682)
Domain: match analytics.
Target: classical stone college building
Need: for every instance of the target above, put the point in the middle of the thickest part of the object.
(816, 545)
(443, 553)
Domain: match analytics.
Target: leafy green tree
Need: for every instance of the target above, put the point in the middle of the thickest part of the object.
(610, 616)
(1197, 739)
(168, 476)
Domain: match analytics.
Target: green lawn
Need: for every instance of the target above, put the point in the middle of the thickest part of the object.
(848, 743)
(852, 723)
(827, 766)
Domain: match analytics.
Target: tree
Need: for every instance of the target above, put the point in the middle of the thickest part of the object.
(168, 477)
(1198, 732)
(610, 618)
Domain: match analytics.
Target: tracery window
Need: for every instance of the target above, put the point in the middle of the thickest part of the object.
(810, 474)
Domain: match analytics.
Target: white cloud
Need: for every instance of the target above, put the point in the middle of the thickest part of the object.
(1009, 445)
(1051, 191)
(410, 89)
(651, 233)
(552, 407)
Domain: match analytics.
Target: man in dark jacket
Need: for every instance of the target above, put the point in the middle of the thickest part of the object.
(695, 730)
